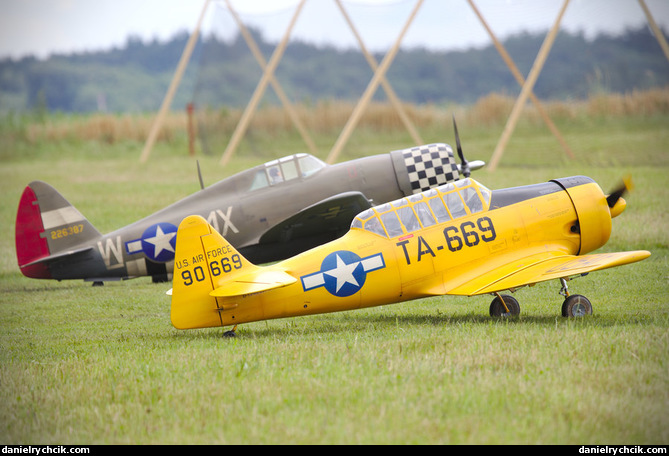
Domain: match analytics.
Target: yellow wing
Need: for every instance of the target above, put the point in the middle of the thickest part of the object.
(538, 268)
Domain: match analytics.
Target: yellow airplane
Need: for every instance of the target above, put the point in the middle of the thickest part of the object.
(458, 239)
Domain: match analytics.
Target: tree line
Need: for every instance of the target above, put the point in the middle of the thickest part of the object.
(135, 77)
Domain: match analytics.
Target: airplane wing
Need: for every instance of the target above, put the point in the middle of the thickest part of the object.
(537, 268)
(331, 214)
(254, 282)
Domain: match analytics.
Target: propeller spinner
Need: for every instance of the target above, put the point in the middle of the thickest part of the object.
(615, 199)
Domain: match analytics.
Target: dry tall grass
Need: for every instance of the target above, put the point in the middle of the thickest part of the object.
(108, 128)
(331, 115)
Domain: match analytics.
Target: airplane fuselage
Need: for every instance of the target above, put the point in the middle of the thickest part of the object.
(401, 251)
(238, 213)
(270, 212)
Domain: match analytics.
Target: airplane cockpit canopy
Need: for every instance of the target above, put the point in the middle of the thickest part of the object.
(284, 169)
(448, 202)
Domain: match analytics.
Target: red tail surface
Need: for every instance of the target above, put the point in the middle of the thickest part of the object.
(48, 229)
(31, 244)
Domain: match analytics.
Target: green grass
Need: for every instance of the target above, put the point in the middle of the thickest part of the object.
(84, 365)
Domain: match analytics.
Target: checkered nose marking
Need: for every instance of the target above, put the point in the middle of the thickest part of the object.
(430, 166)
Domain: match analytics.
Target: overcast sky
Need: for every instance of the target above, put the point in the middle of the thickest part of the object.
(44, 27)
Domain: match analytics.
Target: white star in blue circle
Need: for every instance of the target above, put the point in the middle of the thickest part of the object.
(343, 273)
(159, 242)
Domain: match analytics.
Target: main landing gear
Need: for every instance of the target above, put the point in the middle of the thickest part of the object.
(574, 305)
(504, 306)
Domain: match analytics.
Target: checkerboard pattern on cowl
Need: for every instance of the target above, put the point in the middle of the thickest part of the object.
(430, 166)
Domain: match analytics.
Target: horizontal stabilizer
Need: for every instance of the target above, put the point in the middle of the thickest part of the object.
(58, 256)
(254, 282)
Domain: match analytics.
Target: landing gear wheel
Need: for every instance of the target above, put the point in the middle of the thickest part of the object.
(576, 306)
(231, 333)
(497, 308)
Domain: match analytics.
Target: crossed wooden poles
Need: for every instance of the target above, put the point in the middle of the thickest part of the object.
(379, 78)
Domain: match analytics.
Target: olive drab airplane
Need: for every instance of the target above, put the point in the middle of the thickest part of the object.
(269, 212)
(458, 239)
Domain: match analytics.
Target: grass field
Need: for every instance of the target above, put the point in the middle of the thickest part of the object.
(84, 365)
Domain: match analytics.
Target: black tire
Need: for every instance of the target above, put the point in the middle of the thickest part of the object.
(576, 306)
(497, 308)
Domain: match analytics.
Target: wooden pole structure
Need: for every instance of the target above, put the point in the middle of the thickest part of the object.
(527, 88)
(176, 79)
(656, 30)
(272, 80)
(260, 90)
(371, 88)
(392, 96)
(191, 129)
(521, 81)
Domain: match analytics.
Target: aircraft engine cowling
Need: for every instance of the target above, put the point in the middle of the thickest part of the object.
(423, 167)
(592, 210)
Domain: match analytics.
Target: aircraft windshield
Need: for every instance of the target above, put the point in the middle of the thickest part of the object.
(425, 209)
(284, 169)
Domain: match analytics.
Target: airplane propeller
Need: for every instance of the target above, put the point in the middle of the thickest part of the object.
(464, 167)
(618, 192)
(199, 175)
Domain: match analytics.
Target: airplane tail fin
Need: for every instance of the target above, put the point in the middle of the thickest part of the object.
(47, 227)
(202, 256)
(210, 275)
